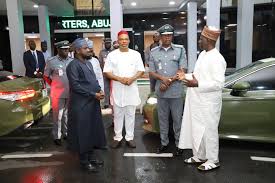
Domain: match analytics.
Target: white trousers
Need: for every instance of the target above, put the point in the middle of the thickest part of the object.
(127, 113)
(209, 149)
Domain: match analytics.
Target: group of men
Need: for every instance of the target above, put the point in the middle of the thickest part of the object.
(78, 85)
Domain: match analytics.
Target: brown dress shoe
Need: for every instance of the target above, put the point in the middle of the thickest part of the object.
(131, 143)
(115, 144)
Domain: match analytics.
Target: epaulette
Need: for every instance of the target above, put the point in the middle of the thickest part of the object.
(155, 48)
(51, 58)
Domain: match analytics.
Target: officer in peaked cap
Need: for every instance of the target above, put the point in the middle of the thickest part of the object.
(62, 44)
(165, 62)
(56, 77)
(166, 29)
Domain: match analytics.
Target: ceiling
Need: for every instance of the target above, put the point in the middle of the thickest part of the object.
(55, 7)
(64, 8)
(157, 6)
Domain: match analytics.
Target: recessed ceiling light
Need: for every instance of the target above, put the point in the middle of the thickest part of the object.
(172, 3)
(198, 21)
(185, 23)
(205, 17)
(152, 25)
(164, 13)
(182, 17)
(143, 20)
(7, 28)
(35, 6)
(183, 12)
(165, 18)
(133, 3)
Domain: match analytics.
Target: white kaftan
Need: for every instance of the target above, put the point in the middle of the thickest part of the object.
(199, 130)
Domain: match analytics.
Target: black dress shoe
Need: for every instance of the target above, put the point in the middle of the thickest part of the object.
(115, 144)
(161, 149)
(102, 148)
(89, 167)
(131, 143)
(58, 142)
(96, 162)
(179, 152)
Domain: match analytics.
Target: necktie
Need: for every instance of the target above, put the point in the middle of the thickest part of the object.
(37, 65)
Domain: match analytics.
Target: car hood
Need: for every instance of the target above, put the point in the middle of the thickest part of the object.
(22, 83)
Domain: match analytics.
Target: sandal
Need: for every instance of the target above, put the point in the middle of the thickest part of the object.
(208, 166)
(194, 160)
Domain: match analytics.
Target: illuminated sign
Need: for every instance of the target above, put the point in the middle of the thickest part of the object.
(83, 23)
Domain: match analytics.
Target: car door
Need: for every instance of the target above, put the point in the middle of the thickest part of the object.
(251, 117)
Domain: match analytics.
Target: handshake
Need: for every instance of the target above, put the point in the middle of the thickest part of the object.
(188, 79)
(100, 95)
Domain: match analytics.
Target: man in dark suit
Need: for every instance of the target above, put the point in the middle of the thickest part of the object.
(34, 61)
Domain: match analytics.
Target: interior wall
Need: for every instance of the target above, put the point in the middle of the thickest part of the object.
(98, 44)
(37, 42)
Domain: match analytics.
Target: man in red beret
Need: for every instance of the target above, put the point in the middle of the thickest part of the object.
(124, 66)
(202, 109)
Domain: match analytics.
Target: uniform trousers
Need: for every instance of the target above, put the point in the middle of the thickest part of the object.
(165, 106)
(60, 111)
(107, 91)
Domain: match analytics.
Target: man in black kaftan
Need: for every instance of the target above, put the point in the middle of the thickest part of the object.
(85, 127)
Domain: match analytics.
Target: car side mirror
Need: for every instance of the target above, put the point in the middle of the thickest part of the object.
(240, 88)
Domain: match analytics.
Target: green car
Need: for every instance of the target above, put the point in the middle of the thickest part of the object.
(248, 111)
(23, 100)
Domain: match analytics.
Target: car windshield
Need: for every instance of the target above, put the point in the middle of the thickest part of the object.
(235, 73)
(6, 76)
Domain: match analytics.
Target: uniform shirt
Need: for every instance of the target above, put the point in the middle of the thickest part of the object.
(102, 57)
(46, 55)
(166, 62)
(98, 72)
(124, 64)
(56, 70)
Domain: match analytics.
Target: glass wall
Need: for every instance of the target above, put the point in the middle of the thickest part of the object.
(92, 7)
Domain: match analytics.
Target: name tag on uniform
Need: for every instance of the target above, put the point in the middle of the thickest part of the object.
(160, 66)
(60, 72)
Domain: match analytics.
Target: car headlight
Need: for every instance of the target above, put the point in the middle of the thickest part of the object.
(152, 101)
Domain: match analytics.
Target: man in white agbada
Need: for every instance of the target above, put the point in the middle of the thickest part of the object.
(202, 110)
(96, 65)
(124, 66)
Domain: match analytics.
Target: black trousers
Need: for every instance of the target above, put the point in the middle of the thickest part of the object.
(85, 158)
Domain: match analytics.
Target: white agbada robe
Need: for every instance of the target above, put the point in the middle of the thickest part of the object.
(202, 109)
(124, 98)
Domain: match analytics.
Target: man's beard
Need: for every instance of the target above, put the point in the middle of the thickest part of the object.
(88, 57)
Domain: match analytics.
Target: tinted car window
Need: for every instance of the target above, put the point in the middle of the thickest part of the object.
(261, 80)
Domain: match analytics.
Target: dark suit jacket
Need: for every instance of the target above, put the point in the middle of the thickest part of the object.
(30, 63)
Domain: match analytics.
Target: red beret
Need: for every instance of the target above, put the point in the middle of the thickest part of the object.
(122, 32)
